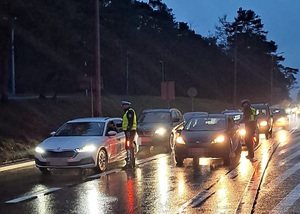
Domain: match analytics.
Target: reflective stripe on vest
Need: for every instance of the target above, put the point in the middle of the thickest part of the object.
(252, 117)
(125, 120)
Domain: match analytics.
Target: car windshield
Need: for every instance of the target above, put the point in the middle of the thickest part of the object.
(236, 117)
(155, 117)
(277, 112)
(261, 112)
(81, 129)
(205, 124)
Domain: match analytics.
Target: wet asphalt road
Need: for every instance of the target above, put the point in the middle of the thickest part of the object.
(157, 185)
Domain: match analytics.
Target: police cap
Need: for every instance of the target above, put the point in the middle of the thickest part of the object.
(125, 102)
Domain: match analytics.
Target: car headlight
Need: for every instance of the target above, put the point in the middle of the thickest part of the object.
(160, 131)
(242, 132)
(180, 140)
(219, 139)
(87, 148)
(263, 123)
(39, 150)
(282, 120)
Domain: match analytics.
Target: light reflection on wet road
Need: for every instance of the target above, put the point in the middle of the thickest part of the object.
(154, 186)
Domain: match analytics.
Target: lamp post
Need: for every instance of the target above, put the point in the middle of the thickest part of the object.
(162, 71)
(127, 73)
(13, 73)
(97, 103)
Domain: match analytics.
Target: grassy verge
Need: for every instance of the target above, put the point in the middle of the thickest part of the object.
(25, 123)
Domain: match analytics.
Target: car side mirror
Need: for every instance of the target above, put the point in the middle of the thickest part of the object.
(53, 133)
(112, 133)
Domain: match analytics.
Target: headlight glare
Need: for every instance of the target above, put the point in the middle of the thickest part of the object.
(39, 150)
(219, 139)
(242, 132)
(180, 140)
(160, 131)
(87, 148)
(263, 123)
(281, 120)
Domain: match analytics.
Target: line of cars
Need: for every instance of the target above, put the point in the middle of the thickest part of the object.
(95, 142)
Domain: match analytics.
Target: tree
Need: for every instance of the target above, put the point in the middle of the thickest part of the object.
(245, 41)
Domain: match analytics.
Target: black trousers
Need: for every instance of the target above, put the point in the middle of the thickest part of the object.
(131, 138)
(250, 132)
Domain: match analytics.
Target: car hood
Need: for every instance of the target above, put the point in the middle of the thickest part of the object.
(200, 136)
(152, 126)
(70, 143)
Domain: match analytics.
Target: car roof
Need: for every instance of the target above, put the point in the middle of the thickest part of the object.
(231, 111)
(260, 105)
(196, 113)
(93, 119)
(234, 113)
(160, 110)
(211, 115)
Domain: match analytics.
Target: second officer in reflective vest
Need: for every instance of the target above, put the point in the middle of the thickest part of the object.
(250, 126)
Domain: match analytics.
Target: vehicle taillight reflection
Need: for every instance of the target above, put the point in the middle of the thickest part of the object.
(130, 196)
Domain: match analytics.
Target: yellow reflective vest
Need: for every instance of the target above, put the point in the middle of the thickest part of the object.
(252, 117)
(125, 120)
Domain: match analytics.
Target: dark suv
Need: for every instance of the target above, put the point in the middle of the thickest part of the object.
(264, 119)
(156, 127)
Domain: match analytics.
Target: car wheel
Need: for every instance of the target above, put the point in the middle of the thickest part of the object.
(45, 171)
(271, 133)
(238, 150)
(171, 141)
(227, 157)
(267, 135)
(179, 160)
(101, 161)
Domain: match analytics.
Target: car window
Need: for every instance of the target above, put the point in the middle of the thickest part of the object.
(261, 111)
(278, 112)
(205, 124)
(154, 117)
(81, 129)
(174, 115)
(111, 126)
(118, 124)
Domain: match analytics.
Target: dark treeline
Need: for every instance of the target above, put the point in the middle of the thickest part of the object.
(54, 51)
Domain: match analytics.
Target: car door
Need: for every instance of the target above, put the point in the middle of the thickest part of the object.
(120, 138)
(112, 140)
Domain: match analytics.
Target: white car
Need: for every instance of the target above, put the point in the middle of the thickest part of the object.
(83, 143)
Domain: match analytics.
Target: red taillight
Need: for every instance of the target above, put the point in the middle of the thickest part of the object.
(128, 143)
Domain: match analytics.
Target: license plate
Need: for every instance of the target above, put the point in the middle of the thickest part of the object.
(58, 162)
(146, 140)
(197, 151)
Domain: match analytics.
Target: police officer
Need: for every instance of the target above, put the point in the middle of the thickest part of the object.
(129, 127)
(250, 126)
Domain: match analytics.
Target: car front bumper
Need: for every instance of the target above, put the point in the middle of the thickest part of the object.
(80, 160)
(202, 150)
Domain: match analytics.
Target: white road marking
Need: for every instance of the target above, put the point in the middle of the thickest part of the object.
(288, 201)
(14, 166)
(283, 161)
(282, 177)
(36, 195)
